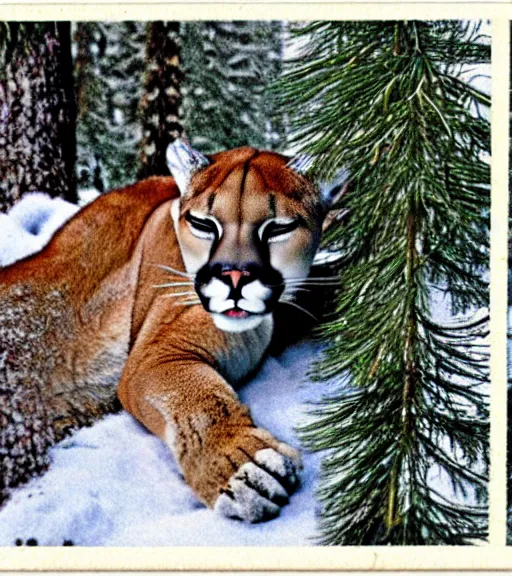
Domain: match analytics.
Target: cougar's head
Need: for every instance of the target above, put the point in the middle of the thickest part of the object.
(248, 226)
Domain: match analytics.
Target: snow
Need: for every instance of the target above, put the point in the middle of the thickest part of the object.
(30, 224)
(115, 484)
(87, 195)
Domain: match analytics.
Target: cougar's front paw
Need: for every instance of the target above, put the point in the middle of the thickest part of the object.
(261, 486)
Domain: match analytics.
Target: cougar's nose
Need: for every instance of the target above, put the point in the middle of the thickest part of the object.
(235, 275)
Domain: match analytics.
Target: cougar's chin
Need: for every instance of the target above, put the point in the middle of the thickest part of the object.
(238, 323)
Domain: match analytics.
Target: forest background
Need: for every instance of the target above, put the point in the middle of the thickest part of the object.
(122, 91)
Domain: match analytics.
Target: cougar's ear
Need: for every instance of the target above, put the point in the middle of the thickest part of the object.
(330, 190)
(183, 162)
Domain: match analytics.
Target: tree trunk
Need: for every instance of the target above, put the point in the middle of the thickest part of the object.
(160, 104)
(38, 114)
(84, 72)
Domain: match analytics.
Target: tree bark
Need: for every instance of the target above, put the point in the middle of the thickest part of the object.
(38, 114)
(160, 104)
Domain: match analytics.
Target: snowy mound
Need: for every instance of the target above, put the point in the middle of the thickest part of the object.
(116, 484)
(30, 224)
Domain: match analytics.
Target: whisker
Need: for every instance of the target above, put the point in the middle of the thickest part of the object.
(315, 282)
(314, 278)
(174, 271)
(291, 303)
(191, 303)
(175, 294)
(293, 289)
(171, 284)
(305, 282)
(312, 283)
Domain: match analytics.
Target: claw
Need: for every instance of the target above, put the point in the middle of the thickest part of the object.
(263, 482)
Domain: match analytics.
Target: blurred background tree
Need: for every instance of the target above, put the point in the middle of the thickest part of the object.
(139, 85)
(110, 63)
(228, 67)
(161, 100)
(392, 103)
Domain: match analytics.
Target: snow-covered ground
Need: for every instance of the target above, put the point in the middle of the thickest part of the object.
(115, 484)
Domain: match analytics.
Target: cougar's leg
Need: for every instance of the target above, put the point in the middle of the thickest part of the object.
(170, 384)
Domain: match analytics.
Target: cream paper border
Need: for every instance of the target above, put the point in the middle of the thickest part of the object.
(494, 555)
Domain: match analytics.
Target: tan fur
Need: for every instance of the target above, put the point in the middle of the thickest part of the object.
(83, 315)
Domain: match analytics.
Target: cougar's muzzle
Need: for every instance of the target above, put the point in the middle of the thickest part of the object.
(238, 291)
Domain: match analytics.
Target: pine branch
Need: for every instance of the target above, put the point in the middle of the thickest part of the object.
(388, 101)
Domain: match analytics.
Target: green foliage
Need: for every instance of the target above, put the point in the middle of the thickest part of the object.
(390, 102)
(228, 66)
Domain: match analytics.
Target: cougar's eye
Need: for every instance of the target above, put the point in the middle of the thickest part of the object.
(277, 229)
(205, 228)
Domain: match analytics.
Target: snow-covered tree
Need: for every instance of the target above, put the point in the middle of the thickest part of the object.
(390, 102)
(161, 99)
(109, 68)
(228, 66)
(37, 111)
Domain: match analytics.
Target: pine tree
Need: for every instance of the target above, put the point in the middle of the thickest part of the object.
(88, 95)
(228, 67)
(109, 68)
(389, 101)
(160, 104)
(37, 111)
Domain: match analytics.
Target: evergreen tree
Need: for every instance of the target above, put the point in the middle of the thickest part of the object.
(109, 68)
(88, 95)
(228, 66)
(160, 104)
(389, 102)
(37, 111)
